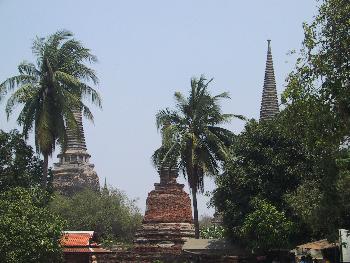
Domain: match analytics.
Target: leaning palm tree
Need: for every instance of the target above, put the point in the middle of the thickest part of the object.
(192, 138)
(51, 90)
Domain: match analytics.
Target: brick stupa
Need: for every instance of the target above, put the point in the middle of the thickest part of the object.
(168, 221)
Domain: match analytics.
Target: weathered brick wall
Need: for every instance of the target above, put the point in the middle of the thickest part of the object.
(168, 203)
(128, 257)
(168, 218)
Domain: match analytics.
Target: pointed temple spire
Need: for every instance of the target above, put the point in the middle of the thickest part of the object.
(269, 103)
(105, 185)
(73, 141)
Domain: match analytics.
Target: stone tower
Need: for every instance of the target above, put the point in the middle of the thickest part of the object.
(168, 222)
(74, 172)
(269, 103)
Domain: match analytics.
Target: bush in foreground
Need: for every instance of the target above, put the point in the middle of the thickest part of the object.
(29, 232)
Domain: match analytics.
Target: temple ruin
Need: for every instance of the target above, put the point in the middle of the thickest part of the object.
(269, 102)
(168, 221)
(74, 172)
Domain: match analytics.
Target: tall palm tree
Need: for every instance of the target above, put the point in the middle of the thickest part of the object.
(192, 138)
(51, 90)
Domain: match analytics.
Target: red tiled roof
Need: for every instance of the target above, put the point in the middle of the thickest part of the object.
(76, 239)
(80, 242)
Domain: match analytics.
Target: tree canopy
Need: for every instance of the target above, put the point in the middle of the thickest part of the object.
(110, 213)
(19, 165)
(278, 177)
(29, 232)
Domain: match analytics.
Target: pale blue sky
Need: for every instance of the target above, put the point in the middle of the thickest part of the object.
(147, 50)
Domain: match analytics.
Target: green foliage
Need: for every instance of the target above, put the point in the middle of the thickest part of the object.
(205, 221)
(212, 232)
(29, 232)
(317, 99)
(301, 174)
(343, 184)
(19, 166)
(192, 137)
(266, 227)
(266, 164)
(51, 90)
(113, 216)
(323, 69)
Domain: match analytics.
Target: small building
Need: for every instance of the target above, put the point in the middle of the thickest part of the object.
(78, 247)
(320, 250)
(215, 250)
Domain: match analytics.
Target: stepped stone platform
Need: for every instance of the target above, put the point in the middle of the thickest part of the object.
(74, 173)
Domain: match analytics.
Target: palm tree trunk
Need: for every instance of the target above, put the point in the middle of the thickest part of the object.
(195, 213)
(45, 169)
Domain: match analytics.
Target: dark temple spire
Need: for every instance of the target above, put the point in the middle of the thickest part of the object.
(74, 141)
(269, 103)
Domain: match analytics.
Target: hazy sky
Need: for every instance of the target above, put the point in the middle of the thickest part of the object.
(147, 50)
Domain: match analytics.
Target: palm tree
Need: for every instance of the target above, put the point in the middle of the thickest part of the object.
(51, 90)
(192, 139)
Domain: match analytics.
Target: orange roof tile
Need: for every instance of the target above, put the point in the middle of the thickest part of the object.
(76, 240)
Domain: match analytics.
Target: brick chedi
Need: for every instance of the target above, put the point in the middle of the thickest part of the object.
(74, 172)
(168, 221)
(269, 103)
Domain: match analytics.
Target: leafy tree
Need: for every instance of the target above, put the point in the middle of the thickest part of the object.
(192, 137)
(296, 171)
(19, 166)
(323, 69)
(51, 90)
(266, 164)
(266, 227)
(343, 186)
(212, 232)
(29, 232)
(205, 221)
(317, 101)
(110, 213)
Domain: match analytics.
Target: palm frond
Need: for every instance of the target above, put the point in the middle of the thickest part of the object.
(224, 95)
(12, 82)
(26, 68)
(38, 48)
(87, 113)
(55, 39)
(241, 117)
(167, 117)
(22, 94)
(226, 136)
(85, 90)
(27, 116)
(166, 156)
(179, 97)
(216, 145)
